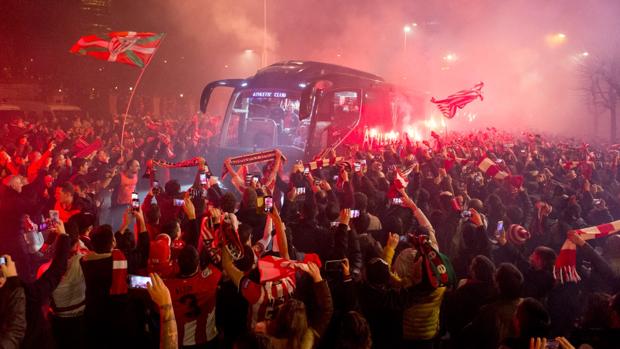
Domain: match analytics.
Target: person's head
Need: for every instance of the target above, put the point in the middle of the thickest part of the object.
(132, 167)
(153, 214)
(249, 198)
(84, 223)
(354, 332)
(361, 202)
(189, 260)
(597, 313)
(543, 258)
(482, 269)
(172, 187)
(80, 186)
(228, 203)
(332, 211)
(64, 193)
(102, 156)
(245, 233)
(509, 281)
(377, 272)
(172, 229)
(102, 239)
(291, 323)
(532, 319)
(15, 182)
(81, 166)
(476, 204)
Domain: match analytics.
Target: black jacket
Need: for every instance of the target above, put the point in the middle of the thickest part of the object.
(12, 313)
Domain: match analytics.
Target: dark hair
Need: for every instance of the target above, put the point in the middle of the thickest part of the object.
(533, 319)
(598, 312)
(361, 202)
(245, 232)
(249, 198)
(153, 214)
(291, 322)
(509, 281)
(71, 228)
(170, 229)
(547, 256)
(228, 202)
(80, 183)
(188, 260)
(172, 187)
(332, 211)
(246, 263)
(253, 340)
(83, 221)
(354, 332)
(482, 269)
(102, 239)
(67, 187)
(377, 271)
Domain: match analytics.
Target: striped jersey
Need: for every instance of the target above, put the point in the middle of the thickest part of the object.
(193, 301)
(265, 298)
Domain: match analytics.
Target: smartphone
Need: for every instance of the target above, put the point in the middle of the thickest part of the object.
(465, 214)
(500, 226)
(336, 178)
(135, 201)
(255, 179)
(248, 179)
(306, 171)
(2, 260)
(268, 204)
(397, 201)
(54, 215)
(552, 344)
(334, 265)
(334, 224)
(43, 227)
(317, 182)
(137, 281)
(357, 166)
(597, 202)
(179, 202)
(300, 190)
(156, 184)
(363, 162)
(355, 214)
(403, 238)
(203, 178)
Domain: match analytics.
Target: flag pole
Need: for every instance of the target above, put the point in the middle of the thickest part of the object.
(133, 92)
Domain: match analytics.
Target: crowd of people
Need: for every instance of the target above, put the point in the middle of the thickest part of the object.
(453, 242)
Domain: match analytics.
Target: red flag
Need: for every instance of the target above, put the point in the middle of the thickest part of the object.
(448, 105)
(124, 47)
(491, 169)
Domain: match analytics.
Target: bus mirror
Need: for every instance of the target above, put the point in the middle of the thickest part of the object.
(311, 93)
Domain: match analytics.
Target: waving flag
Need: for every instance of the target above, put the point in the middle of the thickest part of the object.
(124, 47)
(448, 105)
(491, 169)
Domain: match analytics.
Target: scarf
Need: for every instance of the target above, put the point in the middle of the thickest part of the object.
(491, 169)
(252, 158)
(150, 165)
(400, 182)
(119, 273)
(565, 269)
(320, 163)
(273, 268)
(435, 265)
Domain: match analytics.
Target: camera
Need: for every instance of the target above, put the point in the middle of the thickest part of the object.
(136, 281)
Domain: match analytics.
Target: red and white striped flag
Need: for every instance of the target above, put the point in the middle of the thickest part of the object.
(491, 169)
(124, 47)
(448, 105)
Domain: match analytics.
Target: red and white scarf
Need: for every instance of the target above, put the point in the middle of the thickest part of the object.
(320, 163)
(491, 169)
(119, 273)
(193, 162)
(252, 158)
(565, 269)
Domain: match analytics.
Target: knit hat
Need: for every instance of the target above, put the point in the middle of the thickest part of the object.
(159, 250)
(517, 235)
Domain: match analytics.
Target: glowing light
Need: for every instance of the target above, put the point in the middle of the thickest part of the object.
(556, 39)
(302, 85)
(414, 24)
(165, 61)
(450, 57)
(59, 90)
(130, 88)
(585, 54)
(226, 66)
(373, 132)
(249, 51)
(116, 87)
(407, 29)
(181, 95)
(244, 84)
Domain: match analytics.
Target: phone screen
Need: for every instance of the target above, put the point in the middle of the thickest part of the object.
(397, 201)
(355, 213)
(255, 179)
(268, 203)
(137, 281)
(178, 202)
(203, 178)
(336, 178)
(306, 170)
(155, 184)
(357, 167)
(301, 190)
(334, 265)
(248, 179)
(500, 225)
(2, 260)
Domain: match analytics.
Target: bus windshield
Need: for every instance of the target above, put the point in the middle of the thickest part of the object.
(262, 119)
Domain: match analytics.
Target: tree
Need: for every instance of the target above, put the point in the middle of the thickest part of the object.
(601, 82)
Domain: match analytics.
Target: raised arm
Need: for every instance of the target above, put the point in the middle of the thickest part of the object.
(233, 273)
(280, 234)
(420, 217)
